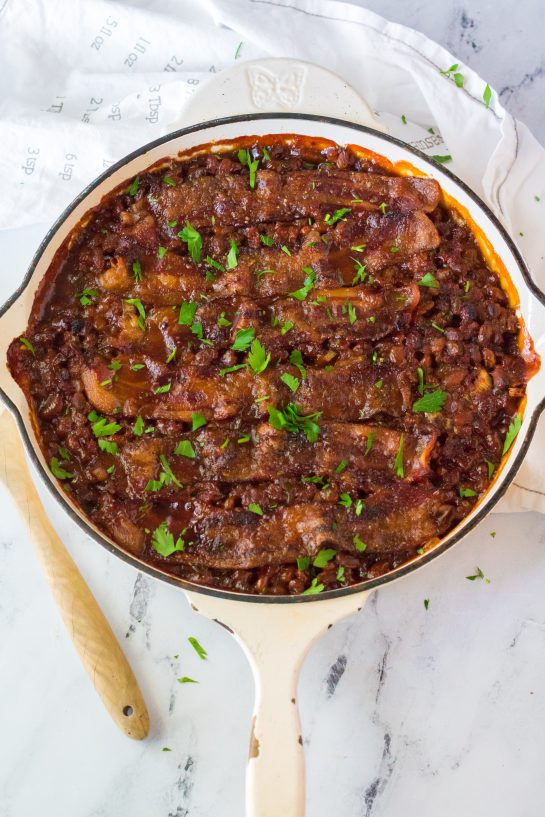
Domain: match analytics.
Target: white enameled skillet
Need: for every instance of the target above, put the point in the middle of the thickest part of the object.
(277, 632)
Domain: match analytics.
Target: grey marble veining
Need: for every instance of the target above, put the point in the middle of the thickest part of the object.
(405, 711)
(502, 40)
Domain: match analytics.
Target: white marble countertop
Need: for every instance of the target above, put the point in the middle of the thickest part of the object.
(405, 710)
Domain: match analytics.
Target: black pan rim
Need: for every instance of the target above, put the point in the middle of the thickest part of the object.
(368, 584)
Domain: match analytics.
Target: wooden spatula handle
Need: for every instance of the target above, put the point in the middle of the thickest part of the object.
(93, 638)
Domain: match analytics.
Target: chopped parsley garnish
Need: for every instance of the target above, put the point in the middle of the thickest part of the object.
(169, 181)
(487, 95)
(428, 280)
(290, 381)
(313, 589)
(138, 427)
(243, 339)
(379, 384)
(426, 603)
(359, 505)
(352, 315)
(258, 358)
(358, 544)
(512, 431)
(162, 389)
(453, 74)
(232, 259)
(163, 542)
(285, 250)
(286, 326)
(185, 449)
(135, 367)
(64, 454)
(222, 320)
(140, 311)
(359, 277)
(211, 263)
(254, 507)
(345, 500)
(133, 189)
(137, 271)
(431, 402)
(383, 207)
(245, 439)
(86, 296)
(420, 373)
(266, 240)
(308, 284)
(173, 223)
(296, 359)
(193, 239)
(403, 118)
(197, 420)
(253, 164)
(290, 419)
(161, 252)
(337, 216)
(201, 652)
(100, 425)
(172, 355)
(341, 466)
(303, 562)
(394, 248)
(185, 679)
(340, 574)
(28, 345)
(466, 492)
(260, 273)
(196, 329)
(323, 557)
(478, 575)
(187, 313)
(358, 248)
(238, 50)
(266, 154)
(439, 328)
(58, 471)
(442, 160)
(370, 441)
(398, 462)
(230, 369)
(107, 446)
(491, 468)
(166, 477)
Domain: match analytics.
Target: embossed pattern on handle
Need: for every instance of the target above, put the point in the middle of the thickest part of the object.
(92, 636)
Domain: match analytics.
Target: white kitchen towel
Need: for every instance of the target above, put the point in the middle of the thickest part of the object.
(86, 81)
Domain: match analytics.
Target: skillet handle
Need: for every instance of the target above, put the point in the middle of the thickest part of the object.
(276, 638)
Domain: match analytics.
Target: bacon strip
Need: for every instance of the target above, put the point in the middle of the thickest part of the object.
(291, 195)
(351, 390)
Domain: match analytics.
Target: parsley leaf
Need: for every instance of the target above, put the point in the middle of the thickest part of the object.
(138, 427)
(162, 389)
(466, 492)
(323, 557)
(341, 466)
(431, 402)
(254, 507)
(161, 252)
(137, 271)
(193, 239)
(345, 500)
(303, 562)
(257, 357)
(100, 425)
(428, 280)
(290, 419)
(313, 589)
(290, 381)
(398, 462)
(185, 679)
(201, 652)
(358, 544)
(442, 160)
(163, 542)
(487, 95)
(28, 345)
(230, 369)
(211, 263)
(337, 215)
(352, 315)
(107, 446)
(187, 313)
(266, 240)
(359, 277)
(296, 358)
(478, 575)
(370, 441)
(222, 320)
(86, 296)
(197, 420)
(308, 284)
(185, 449)
(58, 471)
(141, 312)
(513, 430)
(232, 259)
(243, 339)
(286, 326)
(134, 186)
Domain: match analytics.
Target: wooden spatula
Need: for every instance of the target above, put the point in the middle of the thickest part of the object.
(93, 638)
